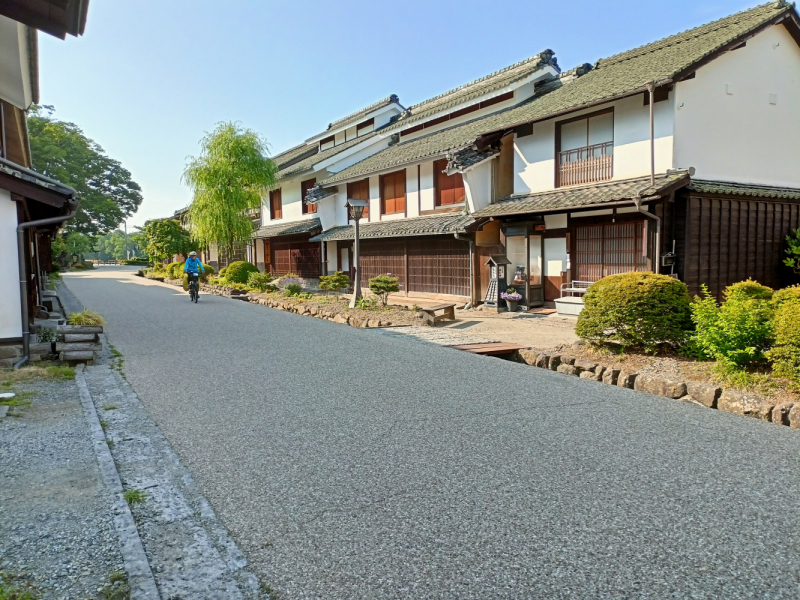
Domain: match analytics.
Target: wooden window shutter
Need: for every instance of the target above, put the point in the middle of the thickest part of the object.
(304, 187)
(275, 204)
(449, 188)
(359, 190)
(393, 192)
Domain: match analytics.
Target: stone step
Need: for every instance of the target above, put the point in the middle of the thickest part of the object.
(78, 347)
(77, 356)
(80, 337)
(80, 329)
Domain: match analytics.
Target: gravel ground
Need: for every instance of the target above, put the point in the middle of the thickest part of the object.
(349, 464)
(56, 522)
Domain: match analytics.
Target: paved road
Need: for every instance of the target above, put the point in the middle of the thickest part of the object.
(351, 465)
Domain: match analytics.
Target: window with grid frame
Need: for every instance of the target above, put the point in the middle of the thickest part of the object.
(304, 187)
(359, 190)
(393, 193)
(275, 204)
(449, 189)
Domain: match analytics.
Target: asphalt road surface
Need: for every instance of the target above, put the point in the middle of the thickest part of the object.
(351, 465)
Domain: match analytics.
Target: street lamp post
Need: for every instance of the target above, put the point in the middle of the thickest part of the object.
(356, 208)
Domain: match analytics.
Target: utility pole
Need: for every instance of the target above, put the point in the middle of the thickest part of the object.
(127, 252)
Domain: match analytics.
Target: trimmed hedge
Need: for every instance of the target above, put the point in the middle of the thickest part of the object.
(636, 310)
(239, 271)
(748, 289)
(789, 294)
(785, 353)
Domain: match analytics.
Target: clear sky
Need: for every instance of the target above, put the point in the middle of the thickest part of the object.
(149, 77)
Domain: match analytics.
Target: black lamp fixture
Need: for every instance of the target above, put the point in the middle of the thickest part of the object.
(356, 208)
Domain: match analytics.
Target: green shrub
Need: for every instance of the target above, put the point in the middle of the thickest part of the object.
(174, 270)
(292, 289)
(159, 268)
(789, 294)
(239, 271)
(86, 317)
(383, 285)
(736, 333)
(261, 281)
(750, 289)
(635, 310)
(334, 283)
(785, 354)
(222, 271)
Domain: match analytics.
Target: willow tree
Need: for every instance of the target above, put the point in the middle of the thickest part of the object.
(228, 180)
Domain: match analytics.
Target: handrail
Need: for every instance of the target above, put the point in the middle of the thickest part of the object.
(586, 165)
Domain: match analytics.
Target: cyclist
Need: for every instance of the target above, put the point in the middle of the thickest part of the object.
(192, 267)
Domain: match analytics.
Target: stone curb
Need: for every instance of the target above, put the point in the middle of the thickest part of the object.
(140, 577)
(298, 309)
(702, 394)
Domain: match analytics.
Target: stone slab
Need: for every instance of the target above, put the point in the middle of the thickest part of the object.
(703, 393)
(659, 386)
(745, 404)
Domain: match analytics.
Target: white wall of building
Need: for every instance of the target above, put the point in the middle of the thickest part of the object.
(10, 318)
(413, 184)
(739, 118)
(555, 256)
(534, 155)
(478, 185)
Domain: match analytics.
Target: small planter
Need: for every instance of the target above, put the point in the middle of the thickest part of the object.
(513, 305)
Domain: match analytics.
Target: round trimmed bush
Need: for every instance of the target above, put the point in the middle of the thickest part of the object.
(785, 354)
(636, 310)
(789, 294)
(175, 270)
(239, 271)
(748, 289)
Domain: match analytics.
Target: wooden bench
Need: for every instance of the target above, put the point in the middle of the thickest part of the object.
(429, 314)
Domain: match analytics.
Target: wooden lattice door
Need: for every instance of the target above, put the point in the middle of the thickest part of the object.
(610, 248)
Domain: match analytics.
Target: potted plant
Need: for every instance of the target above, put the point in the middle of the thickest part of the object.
(512, 299)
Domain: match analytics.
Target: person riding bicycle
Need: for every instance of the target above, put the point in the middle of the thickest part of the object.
(193, 266)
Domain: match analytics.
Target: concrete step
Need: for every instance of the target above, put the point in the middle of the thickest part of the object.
(80, 337)
(78, 347)
(80, 329)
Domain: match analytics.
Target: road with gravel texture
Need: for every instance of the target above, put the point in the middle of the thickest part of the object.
(349, 464)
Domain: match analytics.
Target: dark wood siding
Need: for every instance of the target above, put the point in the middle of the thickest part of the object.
(359, 190)
(728, 240)
(300, 257)
(435, 265)
(608, 249)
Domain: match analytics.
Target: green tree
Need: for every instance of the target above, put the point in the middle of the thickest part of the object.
(164, 238)
(228, 180)
(111, 246)
(60, 150)
(67, 246)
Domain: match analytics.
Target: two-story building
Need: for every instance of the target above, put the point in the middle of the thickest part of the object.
(32, 207)
(678, 157)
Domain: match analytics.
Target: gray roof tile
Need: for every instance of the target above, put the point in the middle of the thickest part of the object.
(428, 225)
(584, 195)
(291, 228)
(743, 189)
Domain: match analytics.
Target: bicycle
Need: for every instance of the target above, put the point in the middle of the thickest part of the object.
(194, 287)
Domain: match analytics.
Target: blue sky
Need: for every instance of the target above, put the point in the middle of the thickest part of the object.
(150, 77)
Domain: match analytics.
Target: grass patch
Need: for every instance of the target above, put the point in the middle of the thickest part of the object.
(87, 318)
(110, 443)
(114, 352)
(134, 497)
(104, 425)
(27, 373)
(21, 399)
(13, 587)
(109, 407)
(117, 587)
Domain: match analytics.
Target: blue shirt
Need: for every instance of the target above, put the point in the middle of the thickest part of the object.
(193, 265)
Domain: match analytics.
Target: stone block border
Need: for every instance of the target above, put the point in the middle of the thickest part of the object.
(703, 394)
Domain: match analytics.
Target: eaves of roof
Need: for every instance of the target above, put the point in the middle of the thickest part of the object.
(355, 117)
(416, 226)
(291, 228)
(728, 188)
(307, 163)
(568, 198)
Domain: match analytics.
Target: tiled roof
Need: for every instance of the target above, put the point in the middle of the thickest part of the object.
(461, 160)
(309, 162)
(430, 225)
(292, 228)
(585, 195)
(617, 76)
(743, 189)
(318, 192)
(475, 89)
(356, 116)
(295, 154)
(629, 72)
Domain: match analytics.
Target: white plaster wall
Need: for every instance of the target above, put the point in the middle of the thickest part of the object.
(412, 192)
(725, 125)
(478, 186)
(327, 209)
(374, 198)
(338, 138)
(350, 133)
(10, 318)
(555, 256)
(534, 155)
(558, 221)
(426, 176)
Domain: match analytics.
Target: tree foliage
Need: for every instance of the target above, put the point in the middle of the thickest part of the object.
(73, 244)
(383, 285)
(228, 180)
(165, 238)
(60, 150)
(334, 283)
